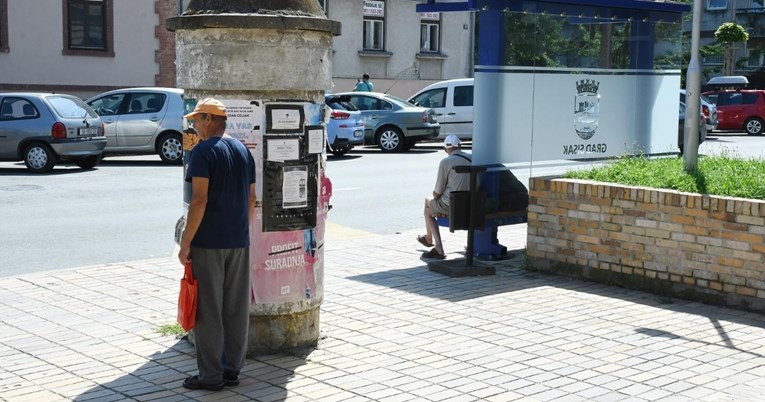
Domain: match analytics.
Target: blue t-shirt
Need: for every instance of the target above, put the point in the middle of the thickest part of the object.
(231, 169)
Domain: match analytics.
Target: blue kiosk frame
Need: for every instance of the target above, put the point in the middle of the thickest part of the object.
(641, 14)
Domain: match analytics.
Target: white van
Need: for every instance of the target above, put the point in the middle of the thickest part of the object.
(453, 102)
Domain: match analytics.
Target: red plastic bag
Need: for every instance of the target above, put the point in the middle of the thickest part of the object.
(187, 300)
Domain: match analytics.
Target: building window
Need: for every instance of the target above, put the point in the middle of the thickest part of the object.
(323, 5)
(374, 25)
(717, 4)
(757, 5)
(430, 29)
(183, 5)
(716, 59)
(755, 58)
(4, 26)
(88, 28)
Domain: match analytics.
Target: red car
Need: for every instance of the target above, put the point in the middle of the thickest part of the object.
(739, 109)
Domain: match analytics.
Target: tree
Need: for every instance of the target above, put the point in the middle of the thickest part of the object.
(729, 34)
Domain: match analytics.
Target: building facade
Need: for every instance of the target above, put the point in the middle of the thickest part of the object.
(750, 14)
(400, 49)
(85, 47)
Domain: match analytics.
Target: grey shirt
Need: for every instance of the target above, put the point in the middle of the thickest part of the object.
(448, 180)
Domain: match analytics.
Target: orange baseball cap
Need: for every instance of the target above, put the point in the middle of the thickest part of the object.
(209, 106)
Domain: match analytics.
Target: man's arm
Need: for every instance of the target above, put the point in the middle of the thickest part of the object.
(199, 186)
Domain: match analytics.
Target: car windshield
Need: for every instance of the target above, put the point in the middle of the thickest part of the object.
(70, 107)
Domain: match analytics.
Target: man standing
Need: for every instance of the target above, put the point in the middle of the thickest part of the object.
(216, 239)
(364, 85)
(447, 181)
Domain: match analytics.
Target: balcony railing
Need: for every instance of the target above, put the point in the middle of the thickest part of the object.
(753, 10)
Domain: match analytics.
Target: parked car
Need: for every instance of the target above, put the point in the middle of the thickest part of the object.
(142, 121)
(708, 108)
(453, 102)
(44, 129)
(346, 126)
(739, 109)
(392, 123)
(681, 128)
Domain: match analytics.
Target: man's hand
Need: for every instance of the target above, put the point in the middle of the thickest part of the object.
(184, 256)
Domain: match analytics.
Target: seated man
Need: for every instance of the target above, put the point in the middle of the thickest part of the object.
(447, 181)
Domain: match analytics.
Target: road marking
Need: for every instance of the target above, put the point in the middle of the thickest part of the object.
(334, 232)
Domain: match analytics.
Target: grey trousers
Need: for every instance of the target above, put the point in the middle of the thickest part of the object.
(223, 304)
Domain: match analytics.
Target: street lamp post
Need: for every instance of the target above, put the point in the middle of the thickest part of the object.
(692, 93)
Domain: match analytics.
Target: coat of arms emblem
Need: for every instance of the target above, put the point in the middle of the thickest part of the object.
(586, 108)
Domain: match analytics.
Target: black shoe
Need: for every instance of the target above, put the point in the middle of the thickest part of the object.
(193, 383)
(230, 378)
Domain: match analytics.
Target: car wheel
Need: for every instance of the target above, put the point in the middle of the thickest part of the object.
(39, 157)
(89, 163)
(753, 126)
(170, 149)
(390, 139)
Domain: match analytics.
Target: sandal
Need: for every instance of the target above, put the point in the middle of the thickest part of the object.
(433, 254)
(193, 383)
(424, 241)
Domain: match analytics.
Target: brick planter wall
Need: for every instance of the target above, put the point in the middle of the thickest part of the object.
(698, 247)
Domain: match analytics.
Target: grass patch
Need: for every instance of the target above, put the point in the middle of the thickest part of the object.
(171, 329)
(722, 175)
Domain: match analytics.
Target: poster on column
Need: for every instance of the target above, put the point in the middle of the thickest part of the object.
(287, 266)
(288, 230)
(244, 120)
(290, 184)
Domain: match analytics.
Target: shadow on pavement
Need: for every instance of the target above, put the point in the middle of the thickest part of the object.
(423, 282)
(346, 157)
(162, 376)
(512, 277)
(59, 170)
(128, 162)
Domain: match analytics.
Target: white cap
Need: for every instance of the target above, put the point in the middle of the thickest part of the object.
(451, 141)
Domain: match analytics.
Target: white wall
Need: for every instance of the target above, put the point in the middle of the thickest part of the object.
(402, 39)
(35, 36)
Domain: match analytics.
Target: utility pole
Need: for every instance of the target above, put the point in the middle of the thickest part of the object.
(692, 93)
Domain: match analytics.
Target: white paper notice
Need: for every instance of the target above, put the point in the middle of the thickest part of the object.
(295, 187)
(285, 119)
(244, 118)
(315, 140)
(280, 150)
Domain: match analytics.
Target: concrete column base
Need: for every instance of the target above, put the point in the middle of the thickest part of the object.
(279, 333)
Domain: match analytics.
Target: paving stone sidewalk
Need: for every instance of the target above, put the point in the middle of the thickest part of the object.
(390, 331)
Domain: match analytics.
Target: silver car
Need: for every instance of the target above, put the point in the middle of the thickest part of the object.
(709, 110)
(391, 123)
(142, 121)
(44, 129)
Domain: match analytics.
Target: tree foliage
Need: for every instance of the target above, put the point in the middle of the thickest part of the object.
(730, 33)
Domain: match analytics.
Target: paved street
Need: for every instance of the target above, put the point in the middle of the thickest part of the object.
(390, 331)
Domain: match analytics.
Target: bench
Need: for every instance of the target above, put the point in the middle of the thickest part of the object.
(501, 218)
(485, 245)
(499, 189)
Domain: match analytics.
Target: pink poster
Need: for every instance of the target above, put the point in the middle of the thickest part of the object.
(288, 266)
